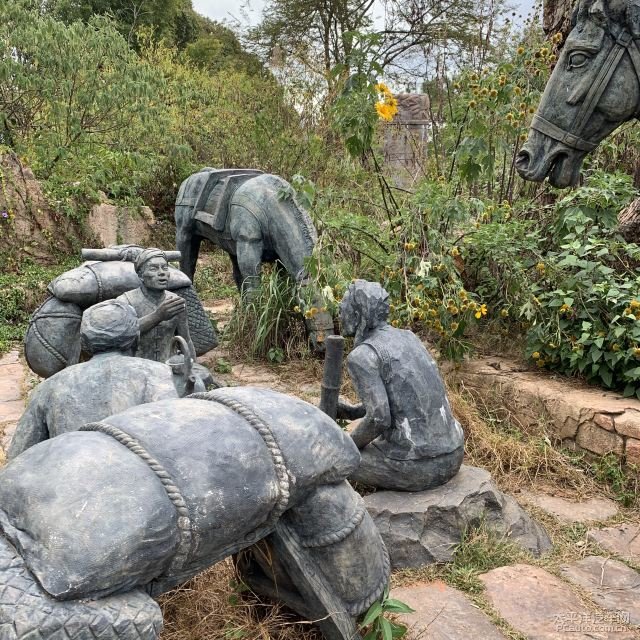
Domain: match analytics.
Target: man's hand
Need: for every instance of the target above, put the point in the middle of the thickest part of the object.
(170, 308)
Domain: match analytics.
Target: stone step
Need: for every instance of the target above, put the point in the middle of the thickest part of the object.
(622, 540)
(570, 511)
(443, 613)
(543, 607)
(611, 584)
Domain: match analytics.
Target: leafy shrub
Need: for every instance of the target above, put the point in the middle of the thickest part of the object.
(585, 305)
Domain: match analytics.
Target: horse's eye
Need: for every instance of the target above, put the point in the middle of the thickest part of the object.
(578, 59)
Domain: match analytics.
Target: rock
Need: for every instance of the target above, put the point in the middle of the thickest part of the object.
(632, 451)
(611, 584)
(628, 424)
(443, 613)
(121, 225)
(11, 384)
(591, 510)
(604, 421)
(543, 607)
(623, 540)
(597, 440)
(10, 411)
(423, 527)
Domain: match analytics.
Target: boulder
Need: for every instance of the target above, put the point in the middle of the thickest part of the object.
(424, 527)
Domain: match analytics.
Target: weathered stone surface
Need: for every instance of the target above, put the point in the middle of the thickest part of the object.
(623, 540)
(11, 385)
(543, 607)
(572, 410)
(11, 357)
(10, 411)
(591, 510)
(423, 527)
(605, 421)
(632, 451)
(597, 440)
(121, 225)
(628, 424)
(443, 613)
(610, 583)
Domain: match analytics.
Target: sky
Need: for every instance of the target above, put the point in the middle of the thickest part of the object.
(230, 11)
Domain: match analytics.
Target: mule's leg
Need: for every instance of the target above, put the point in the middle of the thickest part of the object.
(188, 243)
(247, 234)
(237, 276)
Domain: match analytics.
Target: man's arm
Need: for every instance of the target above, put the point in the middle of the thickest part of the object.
(168, 308)
(32, 427)
(363, 368)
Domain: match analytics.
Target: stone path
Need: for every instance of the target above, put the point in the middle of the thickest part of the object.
(12, 380)
(569, 511)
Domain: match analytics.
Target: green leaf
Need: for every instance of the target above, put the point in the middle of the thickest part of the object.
(595, 354)
(629, 390)
(396, 606)
(387, 632)
(375, 611)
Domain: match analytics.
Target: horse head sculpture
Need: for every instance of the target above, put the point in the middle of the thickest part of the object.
(594, 88)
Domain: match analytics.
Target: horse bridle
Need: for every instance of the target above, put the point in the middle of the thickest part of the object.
(624, 43)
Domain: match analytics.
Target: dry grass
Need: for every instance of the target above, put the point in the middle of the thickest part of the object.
(517, 455)
(212, 607)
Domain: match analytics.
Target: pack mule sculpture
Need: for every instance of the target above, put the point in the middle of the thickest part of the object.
(255, 218)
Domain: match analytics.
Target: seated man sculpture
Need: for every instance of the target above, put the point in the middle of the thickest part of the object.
(162, 314)
(110, 382)
(408, 437)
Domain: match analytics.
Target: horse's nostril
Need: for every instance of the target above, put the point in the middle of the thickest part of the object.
(522, 159)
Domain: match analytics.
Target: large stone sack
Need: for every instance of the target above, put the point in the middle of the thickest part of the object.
(94, 282)
(155, 494)
(52, 341)
(424, 527)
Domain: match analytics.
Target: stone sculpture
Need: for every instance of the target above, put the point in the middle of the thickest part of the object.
(138, 502)
(110, 382)
(408, 437)
(161, 313)
(52, 341)
(255, 218)
(594, 87)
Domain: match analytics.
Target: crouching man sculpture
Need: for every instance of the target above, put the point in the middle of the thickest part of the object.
(110, 382)
(96, 521)
(408, 437)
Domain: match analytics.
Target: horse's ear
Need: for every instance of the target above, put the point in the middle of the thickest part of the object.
(574, 15)
(633, 18)
(598, 11)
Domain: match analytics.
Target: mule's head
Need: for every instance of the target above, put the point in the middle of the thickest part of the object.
(594, 88)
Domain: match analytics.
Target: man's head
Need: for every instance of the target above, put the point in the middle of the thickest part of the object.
(153, 269)
(364, 306)
(109, 326)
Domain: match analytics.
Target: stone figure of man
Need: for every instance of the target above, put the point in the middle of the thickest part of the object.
(162, 314)
(408, 437)
(110, 382)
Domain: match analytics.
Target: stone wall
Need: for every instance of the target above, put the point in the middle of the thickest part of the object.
(112, 224)
(580, 416)
(406, 138)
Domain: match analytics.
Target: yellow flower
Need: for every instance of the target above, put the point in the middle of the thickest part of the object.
(504, 313)
(615, 347)
(472, 104)
(296, 309)
(453, 310)
(394, 323)
(634, 304)
(482, 311)
(540, 268)
(517, 91)
(565, 308)
(535, 355)
(454, 327)
(381, 87)
(520, 50)
(385, 111)
(493, 93)
(636, 352)
(455, 251)
(540, 362)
